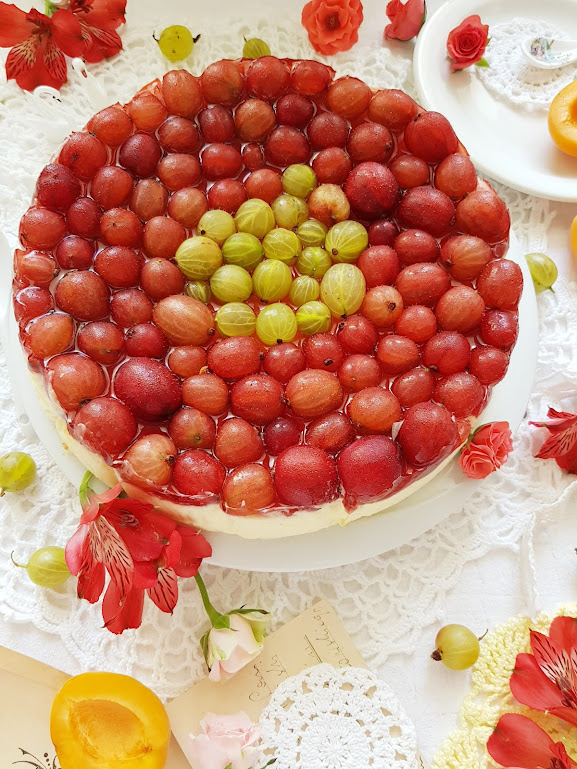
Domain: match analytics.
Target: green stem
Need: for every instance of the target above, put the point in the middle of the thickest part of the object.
(85, 489)
(49, 8)
(213, 614)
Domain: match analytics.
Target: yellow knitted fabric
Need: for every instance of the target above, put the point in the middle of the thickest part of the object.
(490, 696)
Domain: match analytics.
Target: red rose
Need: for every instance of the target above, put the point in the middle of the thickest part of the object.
(332, 25)
(466, 43)
(487, 451)
(406, 19)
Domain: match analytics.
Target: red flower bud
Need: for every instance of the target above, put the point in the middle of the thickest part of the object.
(466, 43)
(406, 19)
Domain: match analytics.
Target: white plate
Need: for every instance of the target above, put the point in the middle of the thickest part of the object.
(509, 145)
(336, 546)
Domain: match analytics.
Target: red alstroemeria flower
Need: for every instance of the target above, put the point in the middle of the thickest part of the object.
(140, 549)
(38, 45)
(547, 679)
(518, 742)
(407, 18)
(562, 443)
(99, 20)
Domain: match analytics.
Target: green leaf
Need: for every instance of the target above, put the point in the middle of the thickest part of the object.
(482, 63)
(248, 611)
(221, 622)
(204, 646)
(84, 489)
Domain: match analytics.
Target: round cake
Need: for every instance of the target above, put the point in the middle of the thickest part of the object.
(266, 299)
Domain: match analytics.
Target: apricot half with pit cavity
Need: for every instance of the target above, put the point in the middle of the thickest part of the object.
(563, 119)
(108, 721)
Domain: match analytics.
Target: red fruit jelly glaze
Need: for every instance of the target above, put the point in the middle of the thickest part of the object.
(184, 97)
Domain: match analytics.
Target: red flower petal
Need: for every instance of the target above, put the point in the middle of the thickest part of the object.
(145, 574)
(91, 581)
(105, 14)
(92, 509)
(14, 25)
(559, 443)
(519, 742)
(55, 62)
(100, 43)
(553, 660)
(74, 552)
(115, 556)
(165, 593)
(22, 59)
(530, 685)
(120, 613)
(194, 548)
(563, 632)
(568, 462)
(144, 531)
(565, 714)
(67, 34)
(554, 414)
(171, 553)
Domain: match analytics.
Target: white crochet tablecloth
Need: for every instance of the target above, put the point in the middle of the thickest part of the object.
(484, 563)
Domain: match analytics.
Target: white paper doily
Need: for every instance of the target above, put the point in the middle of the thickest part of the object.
(326, 718)
(405, 588)
(511, 77)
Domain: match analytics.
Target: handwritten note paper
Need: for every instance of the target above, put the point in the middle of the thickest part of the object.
(313, 637)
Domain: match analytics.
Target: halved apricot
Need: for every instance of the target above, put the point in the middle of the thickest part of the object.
(108, 721)
(563, 119)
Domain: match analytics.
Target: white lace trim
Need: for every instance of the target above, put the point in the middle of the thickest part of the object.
(326, 718)
(511, 77)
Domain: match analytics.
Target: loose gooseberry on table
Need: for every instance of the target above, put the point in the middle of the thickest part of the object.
(46, 567)
(17, 471)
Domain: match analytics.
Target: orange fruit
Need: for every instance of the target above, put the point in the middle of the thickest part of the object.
(574, 237)
(109, 721)
(563, 119)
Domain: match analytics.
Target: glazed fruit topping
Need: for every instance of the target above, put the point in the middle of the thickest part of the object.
(266, 287)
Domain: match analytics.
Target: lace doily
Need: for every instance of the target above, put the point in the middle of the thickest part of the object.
(490, 696)
(405, 588)
(511, 77)
(327, 718)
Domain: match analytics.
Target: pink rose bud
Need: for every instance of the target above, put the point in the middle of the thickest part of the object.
(230, 649)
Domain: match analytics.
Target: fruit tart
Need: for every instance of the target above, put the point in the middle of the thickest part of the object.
(266, 299)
